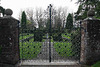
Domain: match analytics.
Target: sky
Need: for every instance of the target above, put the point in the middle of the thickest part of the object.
(18, 5)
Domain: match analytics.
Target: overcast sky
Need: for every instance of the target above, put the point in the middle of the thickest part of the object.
(18, 5)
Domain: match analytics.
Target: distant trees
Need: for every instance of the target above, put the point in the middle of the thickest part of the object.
(41, 19)
(58, 18)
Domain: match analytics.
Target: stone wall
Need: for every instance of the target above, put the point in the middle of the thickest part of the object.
(90, 41)
(9, 41)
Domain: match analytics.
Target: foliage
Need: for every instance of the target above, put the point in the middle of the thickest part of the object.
(30, 24)
(38, 35)
(57, 36)
(70, 47)
(41, 25)
(89, 1)
(79, 9)
(24, 36)
(58, 25)
(83, 8)
(2, 10)
(29, 50)
(96, 65)
(23, 20)
(67, 35)
(69, 22)
(63, 48)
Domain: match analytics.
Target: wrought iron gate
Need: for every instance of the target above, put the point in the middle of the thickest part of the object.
(49, 45)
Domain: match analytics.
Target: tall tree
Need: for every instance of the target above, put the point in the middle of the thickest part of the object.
(2, 10)
(23, 20)
(39, 18)
(69, 22)
(30, 15)
(59, 18)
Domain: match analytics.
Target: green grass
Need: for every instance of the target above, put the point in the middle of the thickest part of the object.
(96, 65)
(67, 36)
(24, 36)
(52, 40)
(30, 50)
(63, 48)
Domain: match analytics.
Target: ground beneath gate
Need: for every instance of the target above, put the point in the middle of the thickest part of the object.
(52, 64)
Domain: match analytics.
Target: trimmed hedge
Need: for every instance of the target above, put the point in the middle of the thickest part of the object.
(38, 35)
(57, 36)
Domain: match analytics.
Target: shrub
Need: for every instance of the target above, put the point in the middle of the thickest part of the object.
(38, 35)
(96, 65)
(57, 36)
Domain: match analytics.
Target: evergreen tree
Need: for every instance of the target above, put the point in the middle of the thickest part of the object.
(2, 10)
(23, 20)
(69, 22)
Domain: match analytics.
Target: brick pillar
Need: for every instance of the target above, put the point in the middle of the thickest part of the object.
(9, 39)
(90, 40)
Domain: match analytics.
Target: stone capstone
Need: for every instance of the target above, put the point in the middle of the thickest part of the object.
(91, 13)
(8, 12)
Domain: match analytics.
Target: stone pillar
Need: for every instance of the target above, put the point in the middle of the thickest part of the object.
(90, 40)
(9, 39)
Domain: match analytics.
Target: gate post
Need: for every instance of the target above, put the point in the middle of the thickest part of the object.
(9, 41)
(90, 40)
(50, 6)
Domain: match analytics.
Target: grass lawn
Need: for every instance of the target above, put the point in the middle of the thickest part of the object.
(96, 65)
(24, 36)
(30, 50)
(63, 48)
(67, 35)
